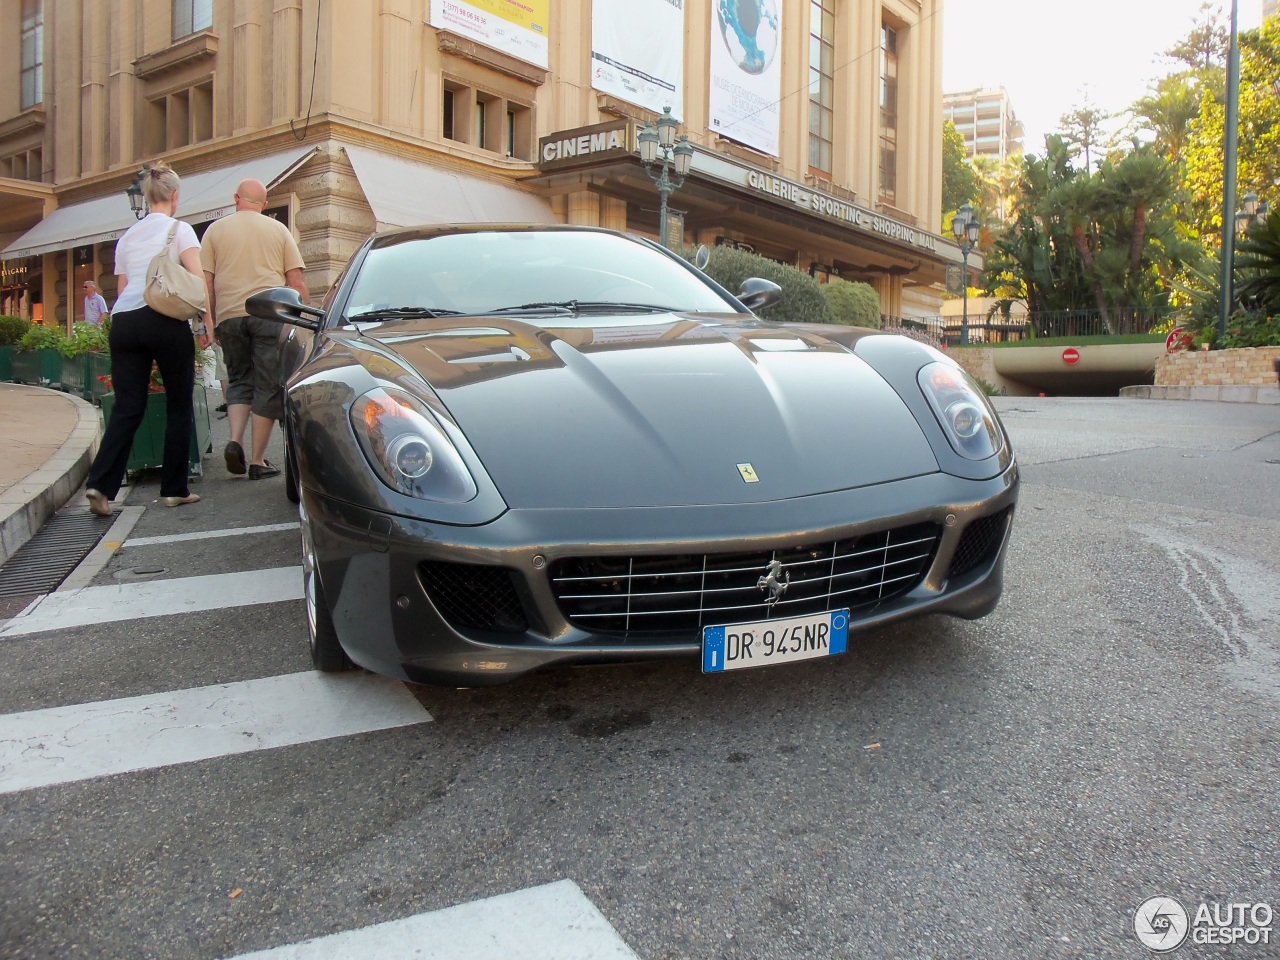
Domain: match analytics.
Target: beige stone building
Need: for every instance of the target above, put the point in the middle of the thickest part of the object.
(986, 120)
(816, 126)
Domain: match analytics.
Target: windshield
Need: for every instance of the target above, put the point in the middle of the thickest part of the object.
(475, 273)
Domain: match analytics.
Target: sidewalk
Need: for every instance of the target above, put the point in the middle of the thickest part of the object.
(48, 440)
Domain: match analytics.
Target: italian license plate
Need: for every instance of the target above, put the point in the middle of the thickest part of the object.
(767, 642)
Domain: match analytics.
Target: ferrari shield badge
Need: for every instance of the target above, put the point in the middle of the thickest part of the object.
(748, 473)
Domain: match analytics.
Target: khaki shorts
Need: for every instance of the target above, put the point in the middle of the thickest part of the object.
(250, 347)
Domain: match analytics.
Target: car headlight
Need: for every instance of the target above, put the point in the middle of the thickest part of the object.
(963, 410)
(408, 449)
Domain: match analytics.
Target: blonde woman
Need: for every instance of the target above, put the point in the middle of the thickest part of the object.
(140, 336)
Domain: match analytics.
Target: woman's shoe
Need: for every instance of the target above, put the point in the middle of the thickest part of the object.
(179, 501)
(98, 502)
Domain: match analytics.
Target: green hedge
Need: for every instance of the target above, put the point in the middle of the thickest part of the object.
(853, 304)
(801, 301)
(12, 329)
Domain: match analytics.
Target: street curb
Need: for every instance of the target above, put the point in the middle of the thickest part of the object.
(1225, 393)
(26, 506)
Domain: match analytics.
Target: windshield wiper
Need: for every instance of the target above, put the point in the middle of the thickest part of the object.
(580, 306)
(392, 313)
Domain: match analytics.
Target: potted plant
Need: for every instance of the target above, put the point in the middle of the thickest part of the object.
(12, 329)
(38, 359)
(147, 452)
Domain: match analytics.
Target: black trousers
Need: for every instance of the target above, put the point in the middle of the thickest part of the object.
(139, 337)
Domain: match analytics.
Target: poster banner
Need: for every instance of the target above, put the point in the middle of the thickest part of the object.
(746, 72)
(635, 55)
(515, 27)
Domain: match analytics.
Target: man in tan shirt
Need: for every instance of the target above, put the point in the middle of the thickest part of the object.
(243, 254)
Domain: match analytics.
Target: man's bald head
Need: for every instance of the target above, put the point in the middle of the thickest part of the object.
(251, 195)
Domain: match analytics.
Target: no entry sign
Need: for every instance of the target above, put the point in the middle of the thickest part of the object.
(1070, 356)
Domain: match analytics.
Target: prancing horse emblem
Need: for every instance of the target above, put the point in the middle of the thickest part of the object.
(774, 582)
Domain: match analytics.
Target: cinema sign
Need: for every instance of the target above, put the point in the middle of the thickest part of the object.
(599, 142)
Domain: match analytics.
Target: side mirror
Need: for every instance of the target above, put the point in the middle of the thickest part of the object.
(701, 257)
(756, 293)
(283, 305)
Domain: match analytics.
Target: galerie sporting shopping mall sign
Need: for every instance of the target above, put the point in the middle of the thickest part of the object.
(614, 140)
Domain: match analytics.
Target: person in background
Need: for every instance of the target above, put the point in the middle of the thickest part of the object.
(243, 254)
(139, 337)
(94, 306)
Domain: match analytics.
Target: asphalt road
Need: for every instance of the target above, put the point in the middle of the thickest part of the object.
(1009, 788)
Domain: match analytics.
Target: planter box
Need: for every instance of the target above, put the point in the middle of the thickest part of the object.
(75, 371)
(99, 366)
(80, 375)
(6, 363)
(41, 368)
(148, 442)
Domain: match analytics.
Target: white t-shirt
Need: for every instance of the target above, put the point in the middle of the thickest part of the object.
(135, 249)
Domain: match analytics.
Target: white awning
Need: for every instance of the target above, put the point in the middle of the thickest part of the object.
(204, 196)
(405, 193)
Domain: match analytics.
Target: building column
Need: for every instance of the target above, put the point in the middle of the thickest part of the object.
(401, 74)
(286, 59)
(246, 60)
(613, 213)
(584, 209)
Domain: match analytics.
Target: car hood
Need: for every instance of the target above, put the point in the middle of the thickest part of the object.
(661, 410)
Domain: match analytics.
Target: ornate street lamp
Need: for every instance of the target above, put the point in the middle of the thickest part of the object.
(134, 192)
(967, 230)
(1250, 212)
(659, 146)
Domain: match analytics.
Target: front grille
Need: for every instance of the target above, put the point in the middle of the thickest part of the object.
(979, 543)
(674, 597)
(474, 597)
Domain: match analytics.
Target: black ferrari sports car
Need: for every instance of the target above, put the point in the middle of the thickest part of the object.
(518, 446)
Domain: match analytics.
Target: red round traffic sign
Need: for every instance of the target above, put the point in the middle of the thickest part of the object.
(1070, 356)
(1179, 339)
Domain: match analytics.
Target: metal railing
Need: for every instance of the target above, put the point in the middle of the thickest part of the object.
(1048, 323)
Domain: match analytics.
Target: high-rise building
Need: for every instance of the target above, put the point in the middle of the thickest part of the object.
(361, 117)
(986, 120)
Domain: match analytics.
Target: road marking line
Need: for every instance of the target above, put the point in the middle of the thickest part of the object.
(210, 534)
(156, 598)
(40, 748)
(552, 922)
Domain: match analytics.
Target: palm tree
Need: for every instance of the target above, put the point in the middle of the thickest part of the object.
(1258, 265)
(1168, 111)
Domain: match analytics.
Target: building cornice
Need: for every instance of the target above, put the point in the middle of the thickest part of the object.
(457, 46)
(25, 122)
(190, 49)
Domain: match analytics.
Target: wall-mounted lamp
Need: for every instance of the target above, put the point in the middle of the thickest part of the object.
(134, 192)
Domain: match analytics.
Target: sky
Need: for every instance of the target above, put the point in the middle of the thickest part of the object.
(1049, 55)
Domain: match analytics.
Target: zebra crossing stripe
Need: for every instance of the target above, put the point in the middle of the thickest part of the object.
(40, 748)
(552, 922)
(155, 598)
(211, 534)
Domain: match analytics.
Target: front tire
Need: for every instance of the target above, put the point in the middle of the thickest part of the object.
(326, 651)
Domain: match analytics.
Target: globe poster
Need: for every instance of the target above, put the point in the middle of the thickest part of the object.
(746, 72)
(641, 66)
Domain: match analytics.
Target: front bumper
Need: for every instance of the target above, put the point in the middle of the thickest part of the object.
(371, 565)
